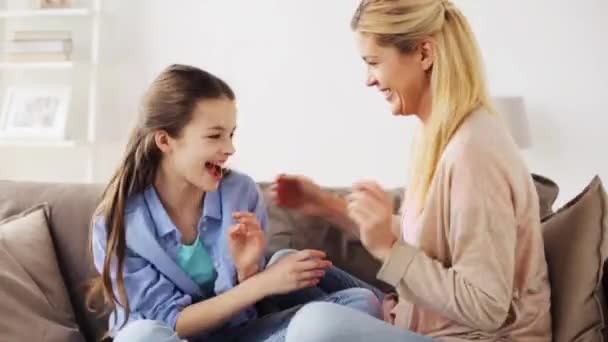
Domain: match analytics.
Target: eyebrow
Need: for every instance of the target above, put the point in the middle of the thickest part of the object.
(219, 128)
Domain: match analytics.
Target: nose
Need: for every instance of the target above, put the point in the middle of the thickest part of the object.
(229, 148)
(371, 80)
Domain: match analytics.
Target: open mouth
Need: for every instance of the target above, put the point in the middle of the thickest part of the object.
(216, 170)
(387, 93)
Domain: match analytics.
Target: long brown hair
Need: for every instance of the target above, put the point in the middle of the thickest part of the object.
(167, 105)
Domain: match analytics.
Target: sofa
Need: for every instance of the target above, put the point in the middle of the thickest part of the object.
(45, 261)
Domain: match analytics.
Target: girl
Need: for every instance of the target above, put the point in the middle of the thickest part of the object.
(179, 241)
(467, 257)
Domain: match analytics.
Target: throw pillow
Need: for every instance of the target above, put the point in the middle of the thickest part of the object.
(36, 306)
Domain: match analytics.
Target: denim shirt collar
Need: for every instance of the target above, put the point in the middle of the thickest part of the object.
(212, 208)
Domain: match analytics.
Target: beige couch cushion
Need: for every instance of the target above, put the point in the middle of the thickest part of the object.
(72, 207)
(576, 247)
(547, 192)
(36, 306)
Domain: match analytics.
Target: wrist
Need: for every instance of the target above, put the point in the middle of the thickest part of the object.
(261, 284)
(330, 205)
(383, 253)
(244, 273)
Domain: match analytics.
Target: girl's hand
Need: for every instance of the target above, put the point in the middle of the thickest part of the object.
(246, 243)
(294, 272)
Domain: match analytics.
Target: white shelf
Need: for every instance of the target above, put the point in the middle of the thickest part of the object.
(63, 12)
(36, 65)
(40, 143)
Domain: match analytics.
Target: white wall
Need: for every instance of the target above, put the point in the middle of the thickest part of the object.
(554, 53)
(300, 83)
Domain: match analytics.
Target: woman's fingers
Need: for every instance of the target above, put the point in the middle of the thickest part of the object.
(372, 188)
(365, 200)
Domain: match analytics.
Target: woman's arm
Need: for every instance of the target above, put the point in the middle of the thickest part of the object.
(305, 196)
(336, 212)
(476, 287)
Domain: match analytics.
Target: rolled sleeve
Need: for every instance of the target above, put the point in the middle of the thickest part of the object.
(397, 264)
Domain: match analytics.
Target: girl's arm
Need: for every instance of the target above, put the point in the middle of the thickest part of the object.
(208, 314)
(291, 273)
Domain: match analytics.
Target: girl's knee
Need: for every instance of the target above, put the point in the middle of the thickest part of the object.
(280, 254)
(360, 299)
(313, 322)
(146, 330)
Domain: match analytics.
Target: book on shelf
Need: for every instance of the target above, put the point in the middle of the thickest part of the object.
(39, 57)
(54, 4)
(39, 46)
(42, 35)
(42, 46)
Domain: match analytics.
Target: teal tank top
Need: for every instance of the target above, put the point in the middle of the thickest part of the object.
(198, 264)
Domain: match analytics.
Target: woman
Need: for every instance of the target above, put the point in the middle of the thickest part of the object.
(467, 257)
(179, 241)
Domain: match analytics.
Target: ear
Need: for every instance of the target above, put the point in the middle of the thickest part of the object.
(163, 141)
(427, 54)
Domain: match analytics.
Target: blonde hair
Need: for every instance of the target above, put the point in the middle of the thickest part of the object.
(458, 85)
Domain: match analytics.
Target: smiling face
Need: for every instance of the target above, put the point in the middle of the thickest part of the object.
(402, 78)
(199, 153)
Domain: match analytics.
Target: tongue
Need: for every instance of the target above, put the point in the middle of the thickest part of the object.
(214, 170)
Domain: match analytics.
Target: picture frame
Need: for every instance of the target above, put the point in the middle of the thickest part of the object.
(45, 4)
(35, 113)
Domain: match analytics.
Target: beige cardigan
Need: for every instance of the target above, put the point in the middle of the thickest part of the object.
(471, 265)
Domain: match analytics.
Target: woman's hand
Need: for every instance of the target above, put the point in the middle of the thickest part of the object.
(298, 193)
(246, 243)
(371, 208)
(294, 272)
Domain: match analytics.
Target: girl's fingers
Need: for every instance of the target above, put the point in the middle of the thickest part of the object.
(310, 275)
(307, 283)
(310, 265)
(236, 231)
(309, 254)
(251, 223)
(242, 214)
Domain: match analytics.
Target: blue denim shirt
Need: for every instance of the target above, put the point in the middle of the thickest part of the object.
(157, 288)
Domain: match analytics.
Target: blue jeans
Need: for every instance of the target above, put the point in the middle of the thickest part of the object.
(328, 322)
(337, 287)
